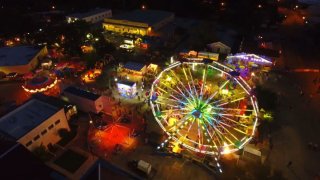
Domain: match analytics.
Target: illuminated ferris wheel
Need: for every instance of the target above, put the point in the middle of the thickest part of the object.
(206, 108)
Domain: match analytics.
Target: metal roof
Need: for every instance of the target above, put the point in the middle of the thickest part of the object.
(126, 82)
(26, 117)
(133, 66)
(19, 55)
(82, 93)
(88, 14)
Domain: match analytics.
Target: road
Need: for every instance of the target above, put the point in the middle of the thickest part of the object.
(298, 117)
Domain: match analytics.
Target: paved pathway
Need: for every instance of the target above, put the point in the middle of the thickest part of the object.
(299, 126)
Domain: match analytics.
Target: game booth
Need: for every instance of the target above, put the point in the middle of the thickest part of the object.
(127, 88)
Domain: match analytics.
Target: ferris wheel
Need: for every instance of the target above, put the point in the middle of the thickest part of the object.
(205, 108)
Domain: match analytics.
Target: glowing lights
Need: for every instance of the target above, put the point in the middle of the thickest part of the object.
(250, 57)
(226, 149)
(224, 91)
(169, 78)
(42, 89)
(200, 113)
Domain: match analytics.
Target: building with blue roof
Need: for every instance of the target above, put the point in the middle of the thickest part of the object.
(34, 123)
(93, 16)
(21, 59)
(140, 22)
(135, 67)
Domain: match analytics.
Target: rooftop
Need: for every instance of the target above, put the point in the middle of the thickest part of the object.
(106, 171)
(27, 162)
(26, 117)
(149, 17)
(133, 66)
(126, 82)
(19, 55)
(88, 14)
(54, 101)
(82, 93)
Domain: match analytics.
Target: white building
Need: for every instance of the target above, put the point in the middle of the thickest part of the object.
(127, 88)
(219, 47)
(91, 16)
(84, 100)
(35, 123)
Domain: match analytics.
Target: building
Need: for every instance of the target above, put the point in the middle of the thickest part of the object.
(21, 59)
(93, 16)
(102, 170)
(17, 162)
(34, 123)
(139, 22)
(84, 100)
(69, 109)
(135, 68)
(127, 88)
(219, 47)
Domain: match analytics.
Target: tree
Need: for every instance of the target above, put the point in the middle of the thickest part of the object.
(103, 47)
(63, 132)
(41, 153)
(266, 98)
(91, 59)
(75, 34)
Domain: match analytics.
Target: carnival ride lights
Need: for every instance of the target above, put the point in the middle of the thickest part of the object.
(202, 110)
(40, 84)
(250, 57)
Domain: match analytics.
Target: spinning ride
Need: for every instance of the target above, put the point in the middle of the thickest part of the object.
(206, 108)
